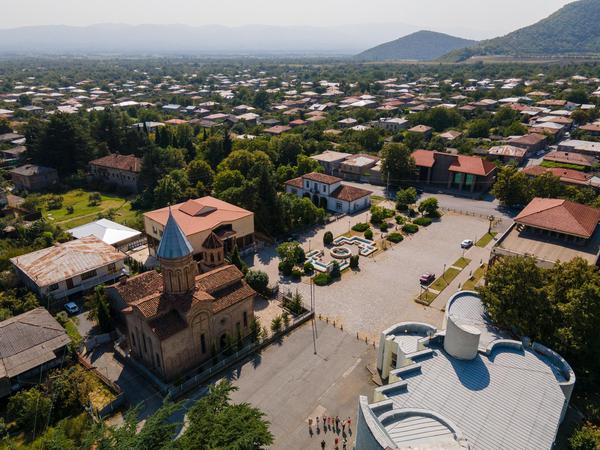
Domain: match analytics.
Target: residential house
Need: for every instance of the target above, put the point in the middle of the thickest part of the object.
(328, 192)
(277, 130)
(531, 142)
(552, 230)
(507, 154)
(566, 176)
(68, 269)
(31, 177)
(118, 170)
(393, 125)
(577, 159)
(331, 161)
(582, 147)
(421, 130)
(31, 344)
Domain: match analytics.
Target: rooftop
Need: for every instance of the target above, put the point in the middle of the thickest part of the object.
(198, 215)
(62, 261)
(28, 341)
(106, 230)
(129, 163)
(561, 216)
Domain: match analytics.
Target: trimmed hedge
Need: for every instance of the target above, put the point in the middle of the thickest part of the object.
(423, 221)
(369, 234)
(322, 279)
(395, 237)
(410, 228)
(360, 227)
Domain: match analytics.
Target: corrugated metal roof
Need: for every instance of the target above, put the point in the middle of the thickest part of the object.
(62, 261)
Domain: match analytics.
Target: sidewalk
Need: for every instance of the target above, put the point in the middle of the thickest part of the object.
(477, 255)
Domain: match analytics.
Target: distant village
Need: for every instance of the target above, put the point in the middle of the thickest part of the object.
(165, 229)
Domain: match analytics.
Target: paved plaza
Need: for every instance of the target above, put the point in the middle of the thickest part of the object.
(381, 293)
(289, 383)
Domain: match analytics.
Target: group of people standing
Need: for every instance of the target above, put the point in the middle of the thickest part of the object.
(340, 427)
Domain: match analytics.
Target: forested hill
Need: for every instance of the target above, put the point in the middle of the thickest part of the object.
(572, 30)
(422, 46)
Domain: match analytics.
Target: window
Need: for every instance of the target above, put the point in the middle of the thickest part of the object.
(203, 343)
(88, 275)
(70, 284)
(294, 191)
(153, 229)
(324, 188)
(53, 287)
(307, 185)
(338, 206)
(112, 268)
(394, 360)
(245, 319)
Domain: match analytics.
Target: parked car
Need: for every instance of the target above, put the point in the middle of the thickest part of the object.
(467, 243)
(72, 308)
(427, 278)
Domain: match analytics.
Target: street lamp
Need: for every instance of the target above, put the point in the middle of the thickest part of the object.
(444, 273)
(491, 218)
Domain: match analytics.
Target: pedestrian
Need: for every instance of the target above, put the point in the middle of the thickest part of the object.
(329, 421)
(310, 422)
(324, 420)
(323, 444)
(349, 422)
(337, 441)
(337, 421)
(344, 426)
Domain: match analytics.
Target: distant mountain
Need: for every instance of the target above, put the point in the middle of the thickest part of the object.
(422, 45)
(195, 40)
(572, 30)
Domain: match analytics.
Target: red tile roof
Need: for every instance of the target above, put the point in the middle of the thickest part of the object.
(349, 193)
(321, 178)
(472, 165)
(209, 213)
(559, 215)
(424, 158)
(565, 175)
(296, 182)
(129, 163)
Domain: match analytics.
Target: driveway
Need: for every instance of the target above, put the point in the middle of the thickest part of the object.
(289, 383)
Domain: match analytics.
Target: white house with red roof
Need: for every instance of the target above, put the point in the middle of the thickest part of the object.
(328, 192)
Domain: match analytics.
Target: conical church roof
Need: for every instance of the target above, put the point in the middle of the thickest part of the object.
(173, 244)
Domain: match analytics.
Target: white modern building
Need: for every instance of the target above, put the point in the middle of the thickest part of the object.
(328, 192)
(109, 232)
(464, 387)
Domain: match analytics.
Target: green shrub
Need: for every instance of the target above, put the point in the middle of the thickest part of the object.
(328, 238)
(308, 268)
(297, 272)
(258, 280)
(360, 227)
(410, 228)
(335, 271)
(354, 261)
(286, 267)
(322, 279)
(94, 199)
(395, 237)
(379, 214)
(400, 220)
(70, 209)
(276, 324)
(423, 221)
(384, 226)
(369, 234)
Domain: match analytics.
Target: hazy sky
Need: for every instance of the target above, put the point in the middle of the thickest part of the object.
(476, 18)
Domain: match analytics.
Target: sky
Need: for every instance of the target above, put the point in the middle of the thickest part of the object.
(471, 18)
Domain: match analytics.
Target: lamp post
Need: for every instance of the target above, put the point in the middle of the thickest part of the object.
(491, 218)
(444, 273)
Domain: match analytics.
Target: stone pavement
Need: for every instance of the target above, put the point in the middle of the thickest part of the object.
(291, 384)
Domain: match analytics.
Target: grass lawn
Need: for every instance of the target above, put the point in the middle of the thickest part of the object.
(485, 239)
(462, 262)
(73, 333)
(472, 282)
(426, 298)
(442, 282)
(375, 199)
(83, 212)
